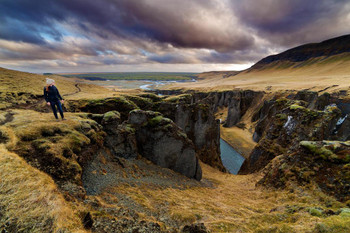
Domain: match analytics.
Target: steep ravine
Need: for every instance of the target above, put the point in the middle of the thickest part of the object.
(313, 125)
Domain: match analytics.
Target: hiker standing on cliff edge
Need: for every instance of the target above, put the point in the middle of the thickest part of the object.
(53, 97)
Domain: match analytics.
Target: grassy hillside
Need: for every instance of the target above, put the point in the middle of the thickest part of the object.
(21, 88)
(319, 66)
(30, 200)
(306, 52)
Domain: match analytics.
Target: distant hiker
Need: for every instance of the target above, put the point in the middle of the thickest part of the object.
(53, 97)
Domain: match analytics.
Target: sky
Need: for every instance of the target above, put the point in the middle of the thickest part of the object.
(160, 35)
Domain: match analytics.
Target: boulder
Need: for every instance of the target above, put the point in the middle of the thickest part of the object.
(195, 228)
(110, 120)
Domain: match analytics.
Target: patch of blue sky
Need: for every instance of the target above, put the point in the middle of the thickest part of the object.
(145, 53)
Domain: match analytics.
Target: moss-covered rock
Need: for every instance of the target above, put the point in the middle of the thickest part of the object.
(334, 151)
(143, 103)
(153, 97)
(183, 98)
(285, 125)
(323, 164)
(315, 212)
(57, 148)
(111, 118)
(122, 141)
(101, 106)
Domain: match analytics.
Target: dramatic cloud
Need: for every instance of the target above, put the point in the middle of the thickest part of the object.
(62, 35)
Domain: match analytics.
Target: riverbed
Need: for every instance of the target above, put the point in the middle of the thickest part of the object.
(231, 159)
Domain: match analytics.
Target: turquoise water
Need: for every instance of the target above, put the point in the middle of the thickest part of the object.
(231, 159)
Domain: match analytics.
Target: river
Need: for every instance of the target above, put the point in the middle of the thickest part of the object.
(231, 159)
(134, 84)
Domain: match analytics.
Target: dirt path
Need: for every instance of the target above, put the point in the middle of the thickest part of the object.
(76, 92)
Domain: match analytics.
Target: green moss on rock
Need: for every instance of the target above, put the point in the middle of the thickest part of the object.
(142, 102)
(316, 149)
(158, 120)
(315, 212)
(295, 106)
(153, 97)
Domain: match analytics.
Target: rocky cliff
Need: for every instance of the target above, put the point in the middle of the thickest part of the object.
(192, 113)
(300, 134)
(161, 141)
(282, 124)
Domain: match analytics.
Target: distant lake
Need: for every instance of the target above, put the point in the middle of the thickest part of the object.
(231, 159)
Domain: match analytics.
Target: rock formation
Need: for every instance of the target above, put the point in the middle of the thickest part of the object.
(164, 143)
(322, 163)
(193, 113)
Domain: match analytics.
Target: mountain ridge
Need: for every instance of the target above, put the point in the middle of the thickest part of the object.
(304, 52)
(313, 66)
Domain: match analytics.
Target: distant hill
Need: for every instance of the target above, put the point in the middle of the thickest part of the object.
(301, 55)
(315, 66)
(213, 74)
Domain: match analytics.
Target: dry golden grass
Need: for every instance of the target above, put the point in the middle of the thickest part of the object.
(30, 200)
(316, 74)
(235, 204)
(22, 82)
(29, 125)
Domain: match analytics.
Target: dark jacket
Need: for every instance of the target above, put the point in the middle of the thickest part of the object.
(52, 95)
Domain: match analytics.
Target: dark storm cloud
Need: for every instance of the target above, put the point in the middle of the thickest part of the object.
(26, 20)
(183, 25)
(285, 15)
(75, 32)
(293, 22)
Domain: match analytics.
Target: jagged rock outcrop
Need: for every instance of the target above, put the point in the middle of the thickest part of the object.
(194, 113)
(325, 164)
(120, 138)
(198, 121)
(164, 143)
(187, 111)
(16, 99)
(238, 102)
(283, 124)
(101, 106)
